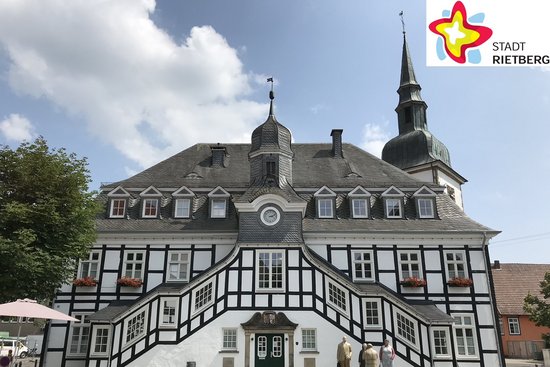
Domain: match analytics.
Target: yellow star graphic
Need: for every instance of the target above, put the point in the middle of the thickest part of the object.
(456, 35)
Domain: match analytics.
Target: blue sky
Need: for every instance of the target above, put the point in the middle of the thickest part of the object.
(128, 83)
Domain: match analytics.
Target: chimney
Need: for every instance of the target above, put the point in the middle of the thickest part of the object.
(218, 155)
(496, 265)
(337, 143)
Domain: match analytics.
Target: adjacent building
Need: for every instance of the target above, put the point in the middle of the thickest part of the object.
(267, 253)
(521, 338)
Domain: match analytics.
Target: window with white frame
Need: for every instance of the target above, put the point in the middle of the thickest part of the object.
(360, 208)
(363, 265)
(270, 270)
(324, 208)
(229, 339)
(513, 326)
(89, 267)
(373, 315)
(135, 327)
(441, 342)
(118, 208)
(178, 266)
(100, 340)
(182, 208)
(393, 207)
(218, 208)
(150, 208)
(406, 328)
(133, 264)
(80, 334)
(425, 208)
(204, 296)
(409, 263)
(456, 264)
(169, 309)
(337, 296)
(464, 329)
(309, 340)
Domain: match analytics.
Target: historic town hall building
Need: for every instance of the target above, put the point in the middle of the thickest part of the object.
(267, 254)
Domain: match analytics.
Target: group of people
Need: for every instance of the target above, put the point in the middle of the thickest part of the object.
(368, 357)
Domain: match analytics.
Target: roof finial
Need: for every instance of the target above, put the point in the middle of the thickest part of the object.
(402, 21)
(271, 96)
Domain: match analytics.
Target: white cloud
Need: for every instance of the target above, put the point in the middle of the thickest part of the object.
(375, 137)
(17, 128)
(136, 88)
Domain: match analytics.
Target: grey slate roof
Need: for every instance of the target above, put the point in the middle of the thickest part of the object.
(114, 309)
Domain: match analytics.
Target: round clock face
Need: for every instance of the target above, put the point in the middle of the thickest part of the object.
(270, 216)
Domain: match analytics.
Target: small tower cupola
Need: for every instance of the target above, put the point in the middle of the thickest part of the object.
(271, 154)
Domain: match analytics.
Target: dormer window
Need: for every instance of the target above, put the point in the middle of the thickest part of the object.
(325, 202)
(393, 203)
(219, 199)
(118, 199)
(425, 203)
(150, 198)
(183, 200)
(359, 200)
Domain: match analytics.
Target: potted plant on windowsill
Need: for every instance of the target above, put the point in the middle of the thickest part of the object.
(460, 282)
(413, 282)
(85, 282)
(129, 282)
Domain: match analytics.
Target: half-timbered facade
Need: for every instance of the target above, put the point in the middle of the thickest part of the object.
(266, 254)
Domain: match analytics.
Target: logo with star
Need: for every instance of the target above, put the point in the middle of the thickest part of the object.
(458, 36)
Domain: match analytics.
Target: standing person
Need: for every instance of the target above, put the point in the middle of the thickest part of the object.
(361, 360)
(387, 354)
(370, 356)
(343, 353)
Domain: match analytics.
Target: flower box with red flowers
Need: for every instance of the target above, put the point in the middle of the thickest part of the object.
(85, 282)
(129, 282)
(460, 282)
(413, 282)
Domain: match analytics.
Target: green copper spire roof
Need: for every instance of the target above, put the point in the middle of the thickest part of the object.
(414, 145)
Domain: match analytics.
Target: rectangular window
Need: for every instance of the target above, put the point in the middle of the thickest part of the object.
(456, 264)
(393, 208)
(150, 208)
(218, 208)
(441, 342)
(88, 267)
(325, 208)
(363, 265)
(169, 311)
(135, 327)
(134, 265)
(270, 266)
(360, 208)
(410, 265)
(337, 296)
(118, 208)
(80, 334)
(229, 339)
(270, 168)
(373, 317)
(513, 326)
(309, 339)
(425, 208)
(465, 335)
(100, 339)
(406, 328)
(178, 266)
(204, 296)
(182, 208)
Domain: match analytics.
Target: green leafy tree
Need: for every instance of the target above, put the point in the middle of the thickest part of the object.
(539, 309)
(46, 219)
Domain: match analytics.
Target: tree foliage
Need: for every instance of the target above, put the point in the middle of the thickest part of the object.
(539, 309)
(46, 219)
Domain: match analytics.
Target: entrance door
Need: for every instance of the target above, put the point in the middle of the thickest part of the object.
(270, 350)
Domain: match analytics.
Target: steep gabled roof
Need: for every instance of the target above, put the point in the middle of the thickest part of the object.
(513, 282)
